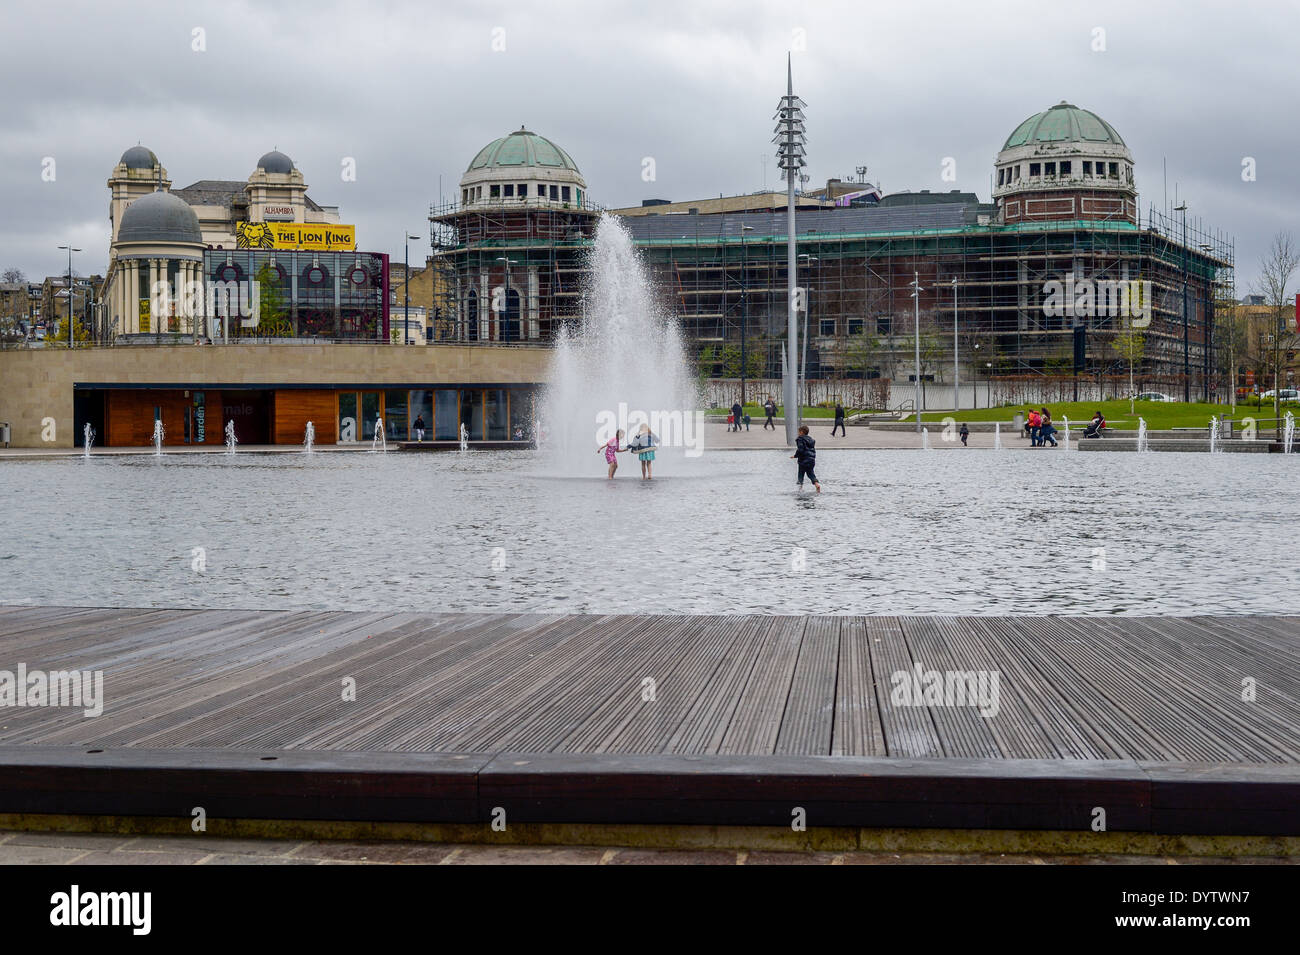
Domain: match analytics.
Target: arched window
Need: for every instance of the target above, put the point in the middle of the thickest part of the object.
(510, 317)
(471, 317)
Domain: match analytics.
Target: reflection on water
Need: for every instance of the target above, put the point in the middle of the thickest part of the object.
(893, 532)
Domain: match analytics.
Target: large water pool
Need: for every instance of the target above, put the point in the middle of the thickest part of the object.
(979, 532)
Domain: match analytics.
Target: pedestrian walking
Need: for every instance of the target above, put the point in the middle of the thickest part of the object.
(839, 421)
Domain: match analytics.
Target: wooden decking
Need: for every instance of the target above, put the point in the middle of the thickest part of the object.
(1145, 689)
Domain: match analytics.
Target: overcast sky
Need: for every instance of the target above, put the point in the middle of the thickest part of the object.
(412, 91)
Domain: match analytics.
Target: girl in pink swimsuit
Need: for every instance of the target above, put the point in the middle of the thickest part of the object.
(611, 449)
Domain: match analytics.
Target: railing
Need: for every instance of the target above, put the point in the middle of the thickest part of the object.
(188, 340)
(513, 204)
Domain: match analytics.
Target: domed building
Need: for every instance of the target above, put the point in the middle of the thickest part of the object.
(158, 238)
(230, 231)
(1065, 163)
(524, 195)
(521, 169)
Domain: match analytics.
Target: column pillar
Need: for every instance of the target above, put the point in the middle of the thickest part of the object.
(484, 307)
(533, 324)
(157, 322)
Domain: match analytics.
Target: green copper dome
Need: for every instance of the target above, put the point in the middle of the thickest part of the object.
(1063, 123)
(520, 149)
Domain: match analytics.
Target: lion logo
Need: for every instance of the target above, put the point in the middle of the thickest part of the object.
(254, 235)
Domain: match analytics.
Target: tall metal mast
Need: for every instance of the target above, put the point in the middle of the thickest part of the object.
(789, 140)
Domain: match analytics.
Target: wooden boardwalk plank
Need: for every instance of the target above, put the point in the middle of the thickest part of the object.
(1071, 688)
(756, 721)
(808, 722)
(909, 730)
(858, 730)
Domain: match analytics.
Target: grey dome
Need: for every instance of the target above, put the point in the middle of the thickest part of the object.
(138, 157)
(160, 217)
(275, 161)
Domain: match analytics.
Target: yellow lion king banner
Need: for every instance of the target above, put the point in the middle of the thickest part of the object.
(311, 237)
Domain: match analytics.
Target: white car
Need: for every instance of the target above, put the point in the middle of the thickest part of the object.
(1153, 396)
(1285, 394)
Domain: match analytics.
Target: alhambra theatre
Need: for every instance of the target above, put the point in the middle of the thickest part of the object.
(303, 331)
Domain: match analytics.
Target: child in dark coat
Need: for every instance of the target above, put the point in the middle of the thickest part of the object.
(805, 452)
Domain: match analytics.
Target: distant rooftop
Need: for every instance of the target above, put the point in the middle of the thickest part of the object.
(899, 217)
(221, 192)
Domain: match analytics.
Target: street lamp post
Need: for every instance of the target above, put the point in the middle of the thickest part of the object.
(406, 287)
(916, 326)
(974, 392)
(70, 251)
(988, 383)
(956, 383)
(1187, 383)
(503, 319)
(744, 306)
(807, 310)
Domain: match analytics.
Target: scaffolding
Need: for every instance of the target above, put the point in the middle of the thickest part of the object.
(515, 273)
(508, 273)
(727, 278)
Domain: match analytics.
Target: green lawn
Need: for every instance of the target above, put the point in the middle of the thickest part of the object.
(1159, 415)
(756, 412)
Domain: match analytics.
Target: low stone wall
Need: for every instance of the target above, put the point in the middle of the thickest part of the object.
(36, 385)
(1179, 444)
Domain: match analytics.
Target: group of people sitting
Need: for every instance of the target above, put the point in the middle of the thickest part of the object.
(1039, 429)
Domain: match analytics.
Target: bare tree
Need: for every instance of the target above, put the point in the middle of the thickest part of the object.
(1234, 342)
(1130, 343)
(1276, 269)
(13, 274)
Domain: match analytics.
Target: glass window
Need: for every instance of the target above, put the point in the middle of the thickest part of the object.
(369, 415)
(521, 417)
(1000, 172)
(828, 326)
(497, 410)
(395, 423)
(523, 190)
(494, 192)
(510, 189)
(1033, 169)
(421, 413)
(348, 430)
(855, 326)
(1050, 170)
(1065, 167)
(471, 413)
(1087, 167)
(1114, 170)
(564, 193)
(447, 415)
(555, 192)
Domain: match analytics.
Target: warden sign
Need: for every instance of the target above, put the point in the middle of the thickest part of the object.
(312, 237)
